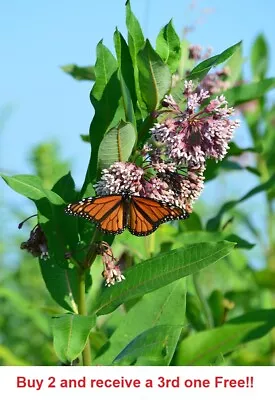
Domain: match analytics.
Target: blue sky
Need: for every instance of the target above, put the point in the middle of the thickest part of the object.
(39, 102)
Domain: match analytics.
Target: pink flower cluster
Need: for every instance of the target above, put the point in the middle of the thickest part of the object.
(177, 151)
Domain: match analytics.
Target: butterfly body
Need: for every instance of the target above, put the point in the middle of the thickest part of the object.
(113, 213)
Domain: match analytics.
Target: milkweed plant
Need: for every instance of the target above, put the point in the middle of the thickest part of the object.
(164, 124)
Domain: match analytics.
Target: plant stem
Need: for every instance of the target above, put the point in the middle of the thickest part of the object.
(205, 307)
(82, 310)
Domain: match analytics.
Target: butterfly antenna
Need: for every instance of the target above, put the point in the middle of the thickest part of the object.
(22, 223)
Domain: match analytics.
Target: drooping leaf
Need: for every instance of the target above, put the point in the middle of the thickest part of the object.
(70, 334)
(168, 46)
(117, 145)
(160, 271)
(154, 77)
(203, 348)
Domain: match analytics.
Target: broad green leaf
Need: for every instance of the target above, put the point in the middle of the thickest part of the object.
(117, 145)
(62, 283)
(31, 186)
(70, 335)
(154, 77)
(134, 30)
(259, 58)
(135, 43)
(80, 73)
(250, 91)
(126, 77)
(214, 223)
(156, 344)
(160, 271)
(65, 188)
(50, 206)
(105, 97)
(203, 348)
(152, 310)
(204, 67)
(168, 46)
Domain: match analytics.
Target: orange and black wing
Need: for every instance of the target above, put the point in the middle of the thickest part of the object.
(107, 212)
(145, 215)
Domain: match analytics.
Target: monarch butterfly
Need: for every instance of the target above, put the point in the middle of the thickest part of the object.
(113, 213)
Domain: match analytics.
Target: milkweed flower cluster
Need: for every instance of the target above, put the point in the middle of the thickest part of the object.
(177, 151)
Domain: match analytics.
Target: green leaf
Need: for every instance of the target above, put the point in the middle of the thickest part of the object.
(134, 30)
(168, 46)
(65, 188)
(251, 91)
(80, 73)
(62, 283)
(105, 97)
(135, 43)
(204, 67)
(160, 271)
(259, 58)
(194, 312)
(117, 145)
(216, 303)
(70, 335)
(214, 223)
(203, 348)
(154, 77)
(156, 344)
(126, 77)
(235, 64)
(152, 310)
(31, 186)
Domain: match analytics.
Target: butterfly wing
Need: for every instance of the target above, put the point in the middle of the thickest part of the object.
(107, 212)
(145, 215)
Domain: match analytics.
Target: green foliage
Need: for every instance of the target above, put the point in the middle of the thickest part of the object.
(71, 333)
(190, 296)
(204, 67)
